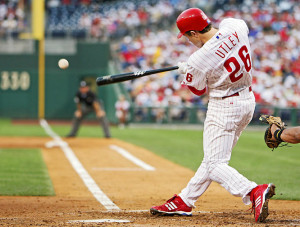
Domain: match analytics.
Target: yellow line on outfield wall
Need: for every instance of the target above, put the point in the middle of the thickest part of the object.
(41, 78)
(38, 31)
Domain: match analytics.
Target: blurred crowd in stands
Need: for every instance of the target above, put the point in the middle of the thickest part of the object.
(275, 40)
(106, 20)
(143, 36)
(12, 17)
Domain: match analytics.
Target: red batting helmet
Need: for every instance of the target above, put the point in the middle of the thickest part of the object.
(191, 19)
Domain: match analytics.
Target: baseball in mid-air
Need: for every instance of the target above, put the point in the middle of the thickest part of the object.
(63, 63)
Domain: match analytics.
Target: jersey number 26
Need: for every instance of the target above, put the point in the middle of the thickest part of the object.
(245, 57)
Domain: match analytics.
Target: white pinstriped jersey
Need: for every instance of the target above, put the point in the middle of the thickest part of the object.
(223, 64)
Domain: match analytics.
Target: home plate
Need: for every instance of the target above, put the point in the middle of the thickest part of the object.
(99, 221)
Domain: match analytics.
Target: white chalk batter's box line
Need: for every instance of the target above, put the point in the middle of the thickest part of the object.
(99, 221)
(132, 158)
(125, 169)
(90, 183)
(99, 195)
(121, 220)
(294, 222)
(148, 211)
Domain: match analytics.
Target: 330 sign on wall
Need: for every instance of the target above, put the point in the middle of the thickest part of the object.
(14, 80)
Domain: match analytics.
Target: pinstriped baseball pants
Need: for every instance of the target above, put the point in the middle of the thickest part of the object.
(224, 123)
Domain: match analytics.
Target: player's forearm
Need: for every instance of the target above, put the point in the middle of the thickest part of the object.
(291, 135)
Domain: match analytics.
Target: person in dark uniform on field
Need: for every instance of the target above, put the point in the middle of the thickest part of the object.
(87, 103)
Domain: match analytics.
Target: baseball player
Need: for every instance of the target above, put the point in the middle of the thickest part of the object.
(221, 67)
(86, 102)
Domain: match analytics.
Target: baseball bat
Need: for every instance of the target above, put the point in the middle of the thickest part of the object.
(110, 79)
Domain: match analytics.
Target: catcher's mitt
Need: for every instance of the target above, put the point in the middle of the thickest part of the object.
(276, 141)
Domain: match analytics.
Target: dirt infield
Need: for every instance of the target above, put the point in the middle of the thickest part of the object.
(133, 189)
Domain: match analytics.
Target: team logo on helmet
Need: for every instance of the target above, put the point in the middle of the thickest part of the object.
(203, 15)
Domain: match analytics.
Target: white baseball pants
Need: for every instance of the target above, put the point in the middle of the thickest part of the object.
(224, 123)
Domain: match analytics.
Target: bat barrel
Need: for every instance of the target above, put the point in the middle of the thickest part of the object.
(110, 79)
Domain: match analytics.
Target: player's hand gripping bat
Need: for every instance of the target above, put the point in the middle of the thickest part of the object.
(110, 79)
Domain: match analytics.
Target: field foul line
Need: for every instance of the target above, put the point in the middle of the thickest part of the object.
(133, 159)
(78, 167)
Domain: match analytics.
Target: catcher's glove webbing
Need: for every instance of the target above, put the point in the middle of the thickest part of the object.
(271, 143)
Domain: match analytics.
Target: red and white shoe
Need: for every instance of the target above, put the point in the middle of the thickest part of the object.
(259, 197)
(174, 206)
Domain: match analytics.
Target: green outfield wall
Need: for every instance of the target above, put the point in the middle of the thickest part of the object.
(19, 82)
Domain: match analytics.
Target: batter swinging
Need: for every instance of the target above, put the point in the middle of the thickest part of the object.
(222, 68)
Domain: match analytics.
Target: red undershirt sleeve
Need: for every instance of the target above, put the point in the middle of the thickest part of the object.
(197, 92)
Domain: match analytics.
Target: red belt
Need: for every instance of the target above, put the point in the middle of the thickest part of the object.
(236, 94)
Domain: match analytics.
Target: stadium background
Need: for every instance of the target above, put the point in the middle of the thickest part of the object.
(108, 37)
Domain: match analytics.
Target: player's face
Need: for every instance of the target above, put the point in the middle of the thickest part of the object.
(84, 89)
(194, 39)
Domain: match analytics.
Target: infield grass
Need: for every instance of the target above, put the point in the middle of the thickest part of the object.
(250, 157)
(23, 173)
(9, 129)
